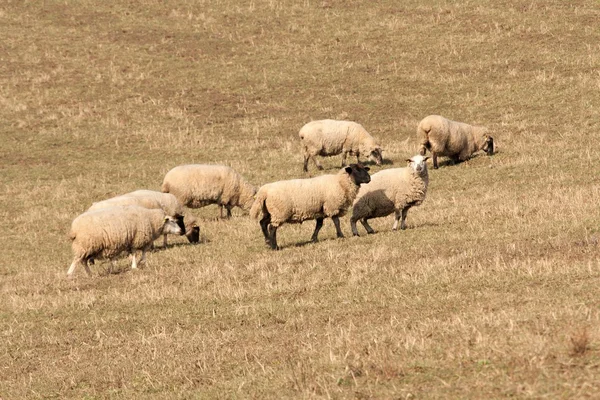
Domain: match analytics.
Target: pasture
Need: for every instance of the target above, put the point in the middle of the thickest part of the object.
(491, 292)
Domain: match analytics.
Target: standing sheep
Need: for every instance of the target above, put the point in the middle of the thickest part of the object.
(457, 140)
(298, 200)
(110, 231)
(153, 200)
(391, 190)
(198, 185)
(331, 137)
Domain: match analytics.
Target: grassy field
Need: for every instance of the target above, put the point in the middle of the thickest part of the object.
(491, 292)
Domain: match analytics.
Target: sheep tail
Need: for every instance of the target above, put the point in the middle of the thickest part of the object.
(165, 187)
(258, 207)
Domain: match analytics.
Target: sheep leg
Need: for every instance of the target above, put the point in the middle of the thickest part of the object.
(318, 226)
(344, 155)
(143, 257)
(165, 240)
(353, 227)
(273, 237)
(72, 267)
(228, 208)
(404, 213)
(221, 211)
(367, 226)
(306, 157)
(338, 229)
(113, 264)
(317, 163)
(133, 261)
(87, 267)
(434, 156)
(264, 226)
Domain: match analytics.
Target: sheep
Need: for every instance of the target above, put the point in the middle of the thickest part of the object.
(198, 185)
(298, 200)
(149, 199)
(457, 140)
(110, 231)
(331, 137)
(391, 190)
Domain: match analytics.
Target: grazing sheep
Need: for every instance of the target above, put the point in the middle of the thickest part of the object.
(330, 137)
(148, 199)
(456, 140)
(110, 231)
(391, 190)
(198, 185)
(298, 200)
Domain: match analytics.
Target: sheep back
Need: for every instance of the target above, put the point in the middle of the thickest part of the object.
(198, 185)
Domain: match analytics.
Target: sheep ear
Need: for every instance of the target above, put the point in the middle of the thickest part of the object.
(367, 169)
(425, 158)
(348, 170)
(166, 219)
(408, 160)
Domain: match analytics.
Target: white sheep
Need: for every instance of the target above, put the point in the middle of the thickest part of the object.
(153, 200)
(198, 185)
(331, 137)
(110, 231)
(457, 140)
(391, 190)
(297, 200)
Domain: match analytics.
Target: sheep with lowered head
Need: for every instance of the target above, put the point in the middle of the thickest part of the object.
(457, 140)
(198, 185)
(154, 200)
(393, 190)
(330, 137)
(298, 200)
(110, 231)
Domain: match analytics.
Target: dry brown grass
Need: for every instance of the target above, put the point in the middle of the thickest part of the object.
(492, 291)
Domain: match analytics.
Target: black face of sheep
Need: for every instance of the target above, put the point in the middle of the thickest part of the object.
(488, 146)
(193, 234)
(376, 155)
(358, 173)
(180, 224)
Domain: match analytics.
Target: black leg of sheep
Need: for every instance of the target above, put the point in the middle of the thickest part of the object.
(315, 235)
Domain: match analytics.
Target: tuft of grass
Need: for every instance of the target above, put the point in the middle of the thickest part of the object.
(580, 342)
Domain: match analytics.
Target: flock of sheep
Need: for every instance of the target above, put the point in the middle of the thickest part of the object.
(133, 221)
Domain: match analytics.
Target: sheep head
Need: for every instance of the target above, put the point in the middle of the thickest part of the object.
(376, 156)
(180, 223)
(488, 145)
(358, 173)
(171, 226)
(192, 229)
(418, 163)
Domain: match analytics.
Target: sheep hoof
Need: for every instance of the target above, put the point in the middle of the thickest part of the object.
(370, 232)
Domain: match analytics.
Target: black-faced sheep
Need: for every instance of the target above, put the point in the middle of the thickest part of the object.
(297, 200)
